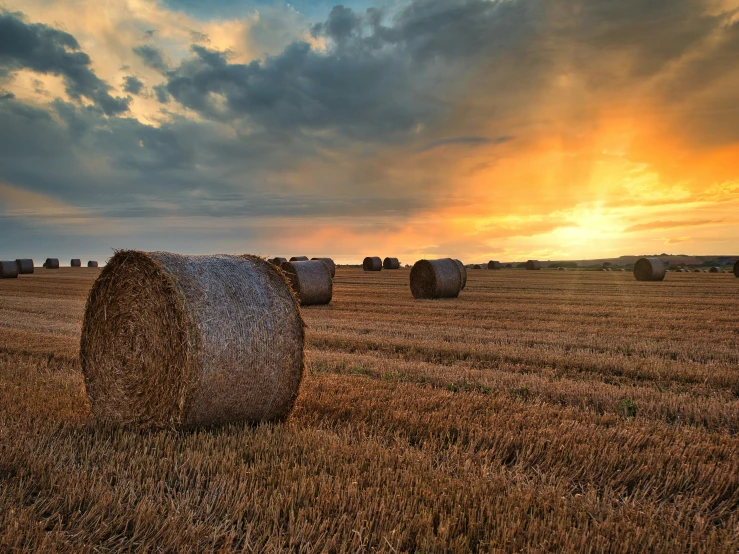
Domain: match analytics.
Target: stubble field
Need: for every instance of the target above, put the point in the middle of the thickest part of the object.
(540, 411)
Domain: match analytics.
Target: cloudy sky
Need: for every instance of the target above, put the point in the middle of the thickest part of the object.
(476, 129)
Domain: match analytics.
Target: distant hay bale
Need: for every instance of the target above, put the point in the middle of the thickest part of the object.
(533, 265)
(299, 259)
(75, 263)
(560, 268)
(649, 269)
(8, 269)
(372, 263)
(278, 261)
(714, 269)
(436, 279)
(390, 263)
(51, 263)
(92, 263)
(492, 264)
(477, 266)
(462, 272)
(736, 268)
(311, 281)
(696, 271)
(171, 340)
(329, 264)
(25, 266)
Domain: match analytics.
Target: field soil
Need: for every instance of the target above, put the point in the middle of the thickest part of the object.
(540, 411)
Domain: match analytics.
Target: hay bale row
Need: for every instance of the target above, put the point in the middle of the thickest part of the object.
(277, 261)
(372, 263)
(171, 340)
(311, 281)
(390, 263)
(25, 266)
(51, 263)
(329, 263)
(649, 269)
(75, 263)
(533, 265)
(492, 264)
(92, 263)
(299, 259)
(462, 272)
(436, 279)
(478, 266)
(715, 269)
(8, 269)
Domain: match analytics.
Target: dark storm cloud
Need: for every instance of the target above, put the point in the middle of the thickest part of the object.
(50, 51)
(160, 91)
(133, 85)
(151, 56)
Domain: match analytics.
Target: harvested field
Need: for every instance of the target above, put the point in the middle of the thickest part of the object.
(538, 411)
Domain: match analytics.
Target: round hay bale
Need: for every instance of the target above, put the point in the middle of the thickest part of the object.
(171, 340)
(714, 269)
(533, 265)
(372, 263)
(329, 263)
(736, 268)
(8, 269)
(478, 266)
(25, 266)
(278, 261)
(75, 263)
(492, 264)
(299, 259)
(92, 263)
(390, 263)
(462, 272)
(436, 279)
(311, 281)
(649, 269)
(51, 263)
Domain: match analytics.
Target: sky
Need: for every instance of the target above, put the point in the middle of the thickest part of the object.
(473, 129)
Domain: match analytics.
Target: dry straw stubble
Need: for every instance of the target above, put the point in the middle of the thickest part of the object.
(172, 340)
(649, 269)
(436, 279)
(372, 263)
(311, 281)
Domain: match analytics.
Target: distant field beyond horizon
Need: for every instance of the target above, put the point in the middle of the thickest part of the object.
(539, 411)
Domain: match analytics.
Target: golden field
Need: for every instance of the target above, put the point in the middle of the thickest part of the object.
(538, 412)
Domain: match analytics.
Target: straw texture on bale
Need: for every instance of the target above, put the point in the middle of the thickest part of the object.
(736, 268)
(462, 272)
(299, 259)
(51, 263)
(75, 263)
(436, 279)
(278, 261)
(311, 281)
(372, 263)
(649, 269)
(533, 264)
(170, 340)
(92, 263)
(714, 270)
(390, 263)
(25, 267)
(8, 269)
(329, 263)
(492, 264)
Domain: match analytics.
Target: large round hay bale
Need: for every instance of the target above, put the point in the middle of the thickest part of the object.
(390, 263)
(8, 269)
(533, 265)
(714, 269)
(736, 268)
(172, 340)
(372, 263)
(462, 272)
(92, 263)
(75, 263)
(492, 264)
(51, 263)
(299, 259)
(649, 269)
(436, 279)
(329, 264)
(278, 261)
(311, 281)
(25, 266)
